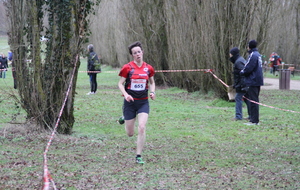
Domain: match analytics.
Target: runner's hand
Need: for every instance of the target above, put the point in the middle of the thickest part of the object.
(152, 95)
(129, 98)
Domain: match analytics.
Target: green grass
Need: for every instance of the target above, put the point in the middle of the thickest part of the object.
(4, 47)
(191, 143)
(295, 77)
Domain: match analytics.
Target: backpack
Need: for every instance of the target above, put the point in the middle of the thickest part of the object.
(96, 63)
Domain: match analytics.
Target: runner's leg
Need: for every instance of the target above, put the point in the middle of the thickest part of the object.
(142, 119)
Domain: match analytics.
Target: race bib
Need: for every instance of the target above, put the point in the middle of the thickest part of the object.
(138, 84)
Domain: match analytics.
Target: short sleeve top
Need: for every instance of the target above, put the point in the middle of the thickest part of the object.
(137, 79)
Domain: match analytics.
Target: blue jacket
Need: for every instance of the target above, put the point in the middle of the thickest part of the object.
(253, 69)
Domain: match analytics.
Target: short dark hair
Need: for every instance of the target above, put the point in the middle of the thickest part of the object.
(252, 44)
(134, 44)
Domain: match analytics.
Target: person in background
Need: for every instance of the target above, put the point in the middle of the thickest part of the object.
(265, 66)
(133, 84)
(275, 61)
(3, 66)
(238, 64)
(92, 56)
(253, 81)
(9, 56)
(13, 69)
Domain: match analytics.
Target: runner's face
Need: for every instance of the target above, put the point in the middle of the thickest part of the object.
(137, 54)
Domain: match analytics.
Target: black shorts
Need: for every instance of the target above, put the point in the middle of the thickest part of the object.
(131, 109)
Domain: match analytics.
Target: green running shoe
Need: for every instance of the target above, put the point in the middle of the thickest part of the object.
(139, 160)
(121, 120)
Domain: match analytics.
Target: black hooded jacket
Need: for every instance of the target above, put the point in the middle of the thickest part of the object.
(239, 63)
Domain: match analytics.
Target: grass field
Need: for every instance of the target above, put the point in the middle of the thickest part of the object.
(192, 143)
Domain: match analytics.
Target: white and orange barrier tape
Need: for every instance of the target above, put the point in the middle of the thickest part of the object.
(271, 106)
(47, 177)
(157, 71)
(174, 71)
(210, 71)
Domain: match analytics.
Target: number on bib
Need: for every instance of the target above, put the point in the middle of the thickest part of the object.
(138, 84)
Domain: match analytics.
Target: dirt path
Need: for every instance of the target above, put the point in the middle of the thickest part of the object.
(271, 83)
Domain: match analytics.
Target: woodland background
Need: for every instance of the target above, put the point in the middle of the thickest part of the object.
(193, 34)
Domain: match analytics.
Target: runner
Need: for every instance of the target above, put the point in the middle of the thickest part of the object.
(133, 84)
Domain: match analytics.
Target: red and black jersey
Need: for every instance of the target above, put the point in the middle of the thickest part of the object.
(137, 79)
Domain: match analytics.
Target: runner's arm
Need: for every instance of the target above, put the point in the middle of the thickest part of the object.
(122, 89)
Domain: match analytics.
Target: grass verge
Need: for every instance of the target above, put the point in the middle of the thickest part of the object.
(191, 143)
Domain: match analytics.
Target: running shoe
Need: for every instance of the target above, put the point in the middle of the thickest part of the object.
(250, 123)
(139, 160)
(90, 93)
(121, 120)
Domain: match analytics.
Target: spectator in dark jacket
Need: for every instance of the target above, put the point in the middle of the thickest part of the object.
(253, 80)
(3, 66)
(92, 56)
(238, 64)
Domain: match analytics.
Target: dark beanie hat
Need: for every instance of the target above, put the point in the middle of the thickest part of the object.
(234, 51)
(252, 44)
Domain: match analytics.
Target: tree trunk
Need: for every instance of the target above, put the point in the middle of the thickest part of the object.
(183, 35)
(44, 69)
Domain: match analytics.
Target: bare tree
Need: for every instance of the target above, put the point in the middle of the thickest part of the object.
(283, 31)
(297, 23)
(3, 22)
(196, 35)
(200, 35)
(44, 69)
